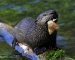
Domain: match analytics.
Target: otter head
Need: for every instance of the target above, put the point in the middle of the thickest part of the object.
(49, 18)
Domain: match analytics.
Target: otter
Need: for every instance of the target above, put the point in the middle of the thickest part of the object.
(40, 34)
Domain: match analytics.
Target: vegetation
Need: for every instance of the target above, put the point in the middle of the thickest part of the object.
(54, 55)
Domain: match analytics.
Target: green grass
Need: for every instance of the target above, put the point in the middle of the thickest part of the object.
(54, 55)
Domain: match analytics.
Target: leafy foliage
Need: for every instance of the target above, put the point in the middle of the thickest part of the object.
(54, 55)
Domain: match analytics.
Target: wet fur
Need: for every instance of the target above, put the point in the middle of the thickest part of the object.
(35, 33)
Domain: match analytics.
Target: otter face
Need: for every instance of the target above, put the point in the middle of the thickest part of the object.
(49, 18)
(48, 15)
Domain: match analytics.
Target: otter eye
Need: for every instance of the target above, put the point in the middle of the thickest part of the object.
(44, 15)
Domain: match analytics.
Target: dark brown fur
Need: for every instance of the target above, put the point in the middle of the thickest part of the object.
(35, 33)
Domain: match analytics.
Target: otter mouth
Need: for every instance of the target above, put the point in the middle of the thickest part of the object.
(52, 26)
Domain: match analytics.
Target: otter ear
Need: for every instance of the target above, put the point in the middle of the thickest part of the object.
(52, 26)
